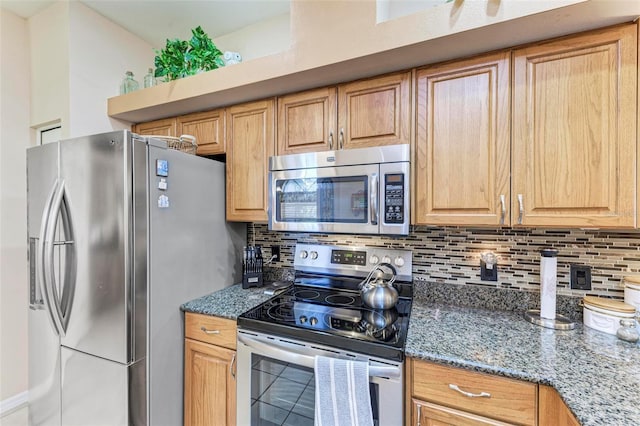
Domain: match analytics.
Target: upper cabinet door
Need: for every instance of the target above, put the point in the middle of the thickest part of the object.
(164, 127)
(208, 129)
(375, 112)
(307, 121)
(574, 131)
(251, 141)
(462, 142)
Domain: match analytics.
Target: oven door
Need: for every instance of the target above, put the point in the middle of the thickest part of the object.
(276, 382)
(329, 199)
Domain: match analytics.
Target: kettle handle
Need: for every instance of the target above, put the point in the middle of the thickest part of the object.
(393, 270)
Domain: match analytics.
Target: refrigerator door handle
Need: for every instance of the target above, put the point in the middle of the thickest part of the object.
(59, 303)
(69, 280)
(40, 258)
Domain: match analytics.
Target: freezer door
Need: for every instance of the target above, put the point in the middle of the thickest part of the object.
(193, 252)
(44, 341)
(97, 391)
(95, 173)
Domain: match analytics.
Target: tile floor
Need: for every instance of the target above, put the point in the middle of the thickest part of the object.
(282, 394)
(19, 417)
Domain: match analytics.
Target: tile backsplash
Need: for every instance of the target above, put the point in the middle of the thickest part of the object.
(451, 255)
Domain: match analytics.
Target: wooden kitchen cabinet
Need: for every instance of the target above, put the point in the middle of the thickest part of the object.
(462, 148)
(553, 411)
(360, 114)
(209, 371)
(375, 112)
(164, 127)
(208, 129)
(250, 143)
(307, 121)
(574, 131)
(510, 401)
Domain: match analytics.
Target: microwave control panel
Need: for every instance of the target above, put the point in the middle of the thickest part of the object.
(394, 198)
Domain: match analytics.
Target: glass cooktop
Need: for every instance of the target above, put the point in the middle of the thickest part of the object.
(334, 318)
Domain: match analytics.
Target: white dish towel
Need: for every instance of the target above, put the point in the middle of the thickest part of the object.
(342, 393)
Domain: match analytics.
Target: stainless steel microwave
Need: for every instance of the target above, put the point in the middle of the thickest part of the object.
(355, 191)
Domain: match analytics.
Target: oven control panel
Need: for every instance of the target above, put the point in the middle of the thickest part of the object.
(351, 261)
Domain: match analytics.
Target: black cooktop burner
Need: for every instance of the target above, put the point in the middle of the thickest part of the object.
(332, 317)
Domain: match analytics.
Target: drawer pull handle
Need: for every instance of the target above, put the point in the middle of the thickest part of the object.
(469, 394)
(231, 369)
(203, 328)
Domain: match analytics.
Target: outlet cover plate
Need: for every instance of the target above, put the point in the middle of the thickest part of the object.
(580, 277)
(487, 274)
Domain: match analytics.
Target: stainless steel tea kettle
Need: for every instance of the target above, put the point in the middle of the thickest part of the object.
(377, 290)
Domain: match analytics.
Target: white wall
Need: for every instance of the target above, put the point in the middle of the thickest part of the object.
(49, 36)
(100, 52)
(15, 137)
(261, 39)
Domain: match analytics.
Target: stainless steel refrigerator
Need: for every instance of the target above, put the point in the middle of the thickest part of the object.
(122, 231)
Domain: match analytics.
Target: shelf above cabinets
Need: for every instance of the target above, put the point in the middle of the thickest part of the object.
(366, 48)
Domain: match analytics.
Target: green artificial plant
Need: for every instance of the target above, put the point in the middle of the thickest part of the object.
(182, 58)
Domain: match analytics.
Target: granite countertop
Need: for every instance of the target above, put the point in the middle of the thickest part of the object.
(596, 374)
(229, 302)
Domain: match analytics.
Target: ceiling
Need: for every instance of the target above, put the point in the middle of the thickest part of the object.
(156, 20)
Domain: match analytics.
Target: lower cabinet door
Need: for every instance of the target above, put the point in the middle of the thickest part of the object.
(428, 414)
(209, 385)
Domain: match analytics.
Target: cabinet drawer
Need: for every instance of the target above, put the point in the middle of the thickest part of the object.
(510, 400)
(214, 330)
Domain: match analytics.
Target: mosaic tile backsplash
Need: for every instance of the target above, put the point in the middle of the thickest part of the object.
(451, 255)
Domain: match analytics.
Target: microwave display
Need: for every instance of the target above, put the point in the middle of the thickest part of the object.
(334, 199)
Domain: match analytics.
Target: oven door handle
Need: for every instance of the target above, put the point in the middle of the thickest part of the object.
(271, 350)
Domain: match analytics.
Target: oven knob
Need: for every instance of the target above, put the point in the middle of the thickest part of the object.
(399, 261)
(314, 255)
(386, 259)
(313, 320)
(374, 259)
(303, 319)
(304, 254)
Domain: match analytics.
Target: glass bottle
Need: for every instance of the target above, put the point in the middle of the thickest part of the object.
(627, 330)
(129, 84)
(149, 79)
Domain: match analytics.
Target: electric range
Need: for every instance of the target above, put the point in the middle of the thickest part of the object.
(323, 305)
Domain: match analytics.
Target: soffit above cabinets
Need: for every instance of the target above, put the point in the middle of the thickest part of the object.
(325, 51)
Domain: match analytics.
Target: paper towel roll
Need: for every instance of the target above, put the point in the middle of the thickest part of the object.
(548, 280)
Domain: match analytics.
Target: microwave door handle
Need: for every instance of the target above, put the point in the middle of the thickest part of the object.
(373, 198)
(272, 350)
